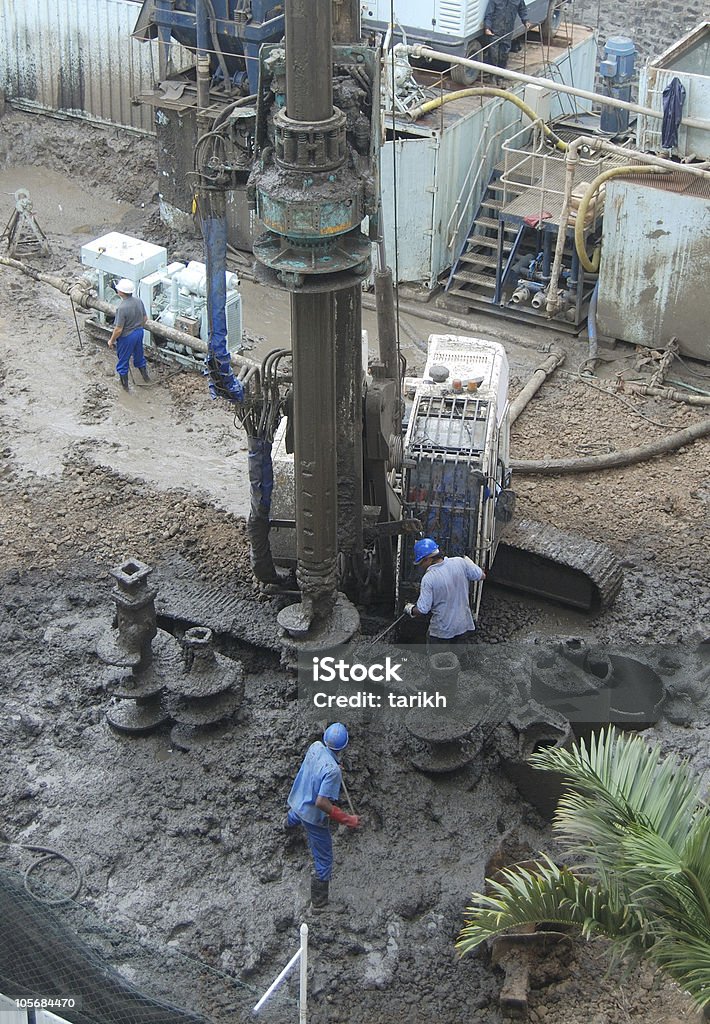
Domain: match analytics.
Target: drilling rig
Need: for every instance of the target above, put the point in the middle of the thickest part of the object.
(315, 181)
(378, 458)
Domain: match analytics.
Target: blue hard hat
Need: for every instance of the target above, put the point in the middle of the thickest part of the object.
(424, 548)
(336, 736)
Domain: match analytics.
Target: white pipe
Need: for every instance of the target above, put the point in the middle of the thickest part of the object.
(275, 984)
(594, 144)
(303, 986)
(571, 162)
(426, 53)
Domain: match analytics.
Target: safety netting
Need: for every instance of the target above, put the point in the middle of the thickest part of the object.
(42, 955)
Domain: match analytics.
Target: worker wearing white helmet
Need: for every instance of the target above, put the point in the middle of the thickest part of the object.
(127, 334)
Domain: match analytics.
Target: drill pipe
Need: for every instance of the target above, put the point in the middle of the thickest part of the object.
(309, 98)
(313, 328)
(309, 64)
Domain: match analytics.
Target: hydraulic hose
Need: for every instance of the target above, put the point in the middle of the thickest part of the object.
(426, 108)
(218, 49)
(48, 853)
(593, 347)
(243, 101)
(592, 264)
(613, 460)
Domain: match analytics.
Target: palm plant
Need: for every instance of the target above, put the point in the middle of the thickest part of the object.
(636, 834)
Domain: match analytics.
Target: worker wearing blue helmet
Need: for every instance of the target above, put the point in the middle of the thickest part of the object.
(444, 593)
(311, 805)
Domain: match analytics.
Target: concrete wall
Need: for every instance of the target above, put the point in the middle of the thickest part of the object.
(653, 25)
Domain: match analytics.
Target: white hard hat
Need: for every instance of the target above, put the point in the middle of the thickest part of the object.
(125, 286)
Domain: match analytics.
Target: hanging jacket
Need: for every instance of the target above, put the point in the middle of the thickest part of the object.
(500, 15)
(673, 100)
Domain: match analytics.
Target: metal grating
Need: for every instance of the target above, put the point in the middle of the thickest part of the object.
(676, 181)
(449, 424)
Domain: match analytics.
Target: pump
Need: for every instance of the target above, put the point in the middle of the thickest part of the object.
(617, 71)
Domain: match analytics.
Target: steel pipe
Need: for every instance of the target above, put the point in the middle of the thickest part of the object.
(539, 376)
(426, 53)
(309, 64)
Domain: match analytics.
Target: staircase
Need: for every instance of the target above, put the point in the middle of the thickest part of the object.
(474, 275)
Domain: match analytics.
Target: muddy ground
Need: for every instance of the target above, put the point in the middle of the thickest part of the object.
(184, 851)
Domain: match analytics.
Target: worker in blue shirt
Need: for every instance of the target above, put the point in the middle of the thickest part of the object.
(444, 592)
(498, 23)
(311, 805)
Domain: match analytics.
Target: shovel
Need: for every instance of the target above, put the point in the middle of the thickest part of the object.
(386, 631)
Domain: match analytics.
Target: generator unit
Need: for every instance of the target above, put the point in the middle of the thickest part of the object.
(174, 294)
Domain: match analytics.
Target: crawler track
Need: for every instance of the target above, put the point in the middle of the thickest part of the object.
(563, 567)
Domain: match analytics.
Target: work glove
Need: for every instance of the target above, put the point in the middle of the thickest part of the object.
(351, 820)
(409, 610)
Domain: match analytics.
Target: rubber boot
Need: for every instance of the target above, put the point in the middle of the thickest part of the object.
(319, 894)
(144, 374)
(319, 899)
(124, 381)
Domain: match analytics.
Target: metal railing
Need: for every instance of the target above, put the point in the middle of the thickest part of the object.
(535, 169)
(465, 205)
